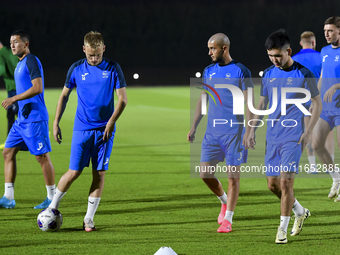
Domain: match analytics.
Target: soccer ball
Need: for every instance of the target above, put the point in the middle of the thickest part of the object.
(50, 220)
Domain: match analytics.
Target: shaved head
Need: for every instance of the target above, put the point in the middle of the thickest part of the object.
(220, 39)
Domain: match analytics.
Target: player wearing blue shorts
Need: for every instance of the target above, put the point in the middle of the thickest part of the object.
(311, 59)
(329, 85)
(96, 79)
(225, 133)
(30, 130)
(286, 136)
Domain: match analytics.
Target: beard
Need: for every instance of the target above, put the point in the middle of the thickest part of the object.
(217, 60)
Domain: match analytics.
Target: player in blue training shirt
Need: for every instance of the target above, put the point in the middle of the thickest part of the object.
(30, 130)
(96, 79)
(286, 136)
(329, 85)
(311, 59)
(225, 133)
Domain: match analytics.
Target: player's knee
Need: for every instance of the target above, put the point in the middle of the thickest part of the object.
(7, 154)
(272, 186)
(42, 158)
(233, 181)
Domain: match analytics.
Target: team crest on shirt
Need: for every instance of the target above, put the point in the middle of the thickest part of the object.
(336, 58)
(289, 80)
(105, 74)
(324, 58)
(228, 75)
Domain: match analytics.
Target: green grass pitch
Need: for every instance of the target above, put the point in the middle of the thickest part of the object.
(150, 200)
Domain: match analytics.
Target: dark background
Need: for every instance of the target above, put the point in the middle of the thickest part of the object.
(164, 41)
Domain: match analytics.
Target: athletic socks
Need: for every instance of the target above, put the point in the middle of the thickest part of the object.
(50, 191)
(9, 191)
(298, 208)
(311, 160)
(223, 198)
(229, 216)
(58, 195)
(284, 223)
(92, 206)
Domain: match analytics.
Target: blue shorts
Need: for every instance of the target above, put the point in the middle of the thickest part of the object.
(218, 147)
(14, 106)
(89, 144)
(332, 118)
(33, 136)
(283, 157)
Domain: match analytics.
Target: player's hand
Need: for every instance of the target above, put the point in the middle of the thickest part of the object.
(57, 134)
(191, 135)
(244, 140)
(8, 102)
(251, 140)
(108, 131)
(304, 139)
(329, 94)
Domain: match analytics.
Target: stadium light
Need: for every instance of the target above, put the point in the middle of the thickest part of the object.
(136, 76)
(260, 73)
(198, 75)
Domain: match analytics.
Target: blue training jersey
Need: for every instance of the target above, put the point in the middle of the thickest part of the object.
(289, 127)
(310, 59)
(31, 109)
(236, 74)
(95, 88)
(330, 76)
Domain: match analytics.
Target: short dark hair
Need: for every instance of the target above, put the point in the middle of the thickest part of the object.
(23, 35)
(277, 40)
(334, 20)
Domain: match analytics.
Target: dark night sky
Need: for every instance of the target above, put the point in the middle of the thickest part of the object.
(164, 41)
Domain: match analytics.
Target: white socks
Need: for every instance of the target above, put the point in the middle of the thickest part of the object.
(92, 206)
(311, 160)
(229, 216)
(223, 198)
(58, 195)
(50, 191)
(298, 208)
(9, 191)
(284, 223)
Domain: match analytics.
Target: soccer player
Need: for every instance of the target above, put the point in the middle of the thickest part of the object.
(30, 130)
(95, 78)
(223, 140)
(329, 85)
(286, 136)
(8, 62)
(311, 59)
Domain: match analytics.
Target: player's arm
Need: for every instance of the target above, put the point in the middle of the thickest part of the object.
(120, 106)
(36, 89)
(61, 106)
(262, 105)
(330, 92)
(197, 118)
(249, 116)
(316, 101)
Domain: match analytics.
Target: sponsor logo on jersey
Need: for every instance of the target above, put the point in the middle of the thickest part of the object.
(83, 76)
(324, 58)
(211, 76)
